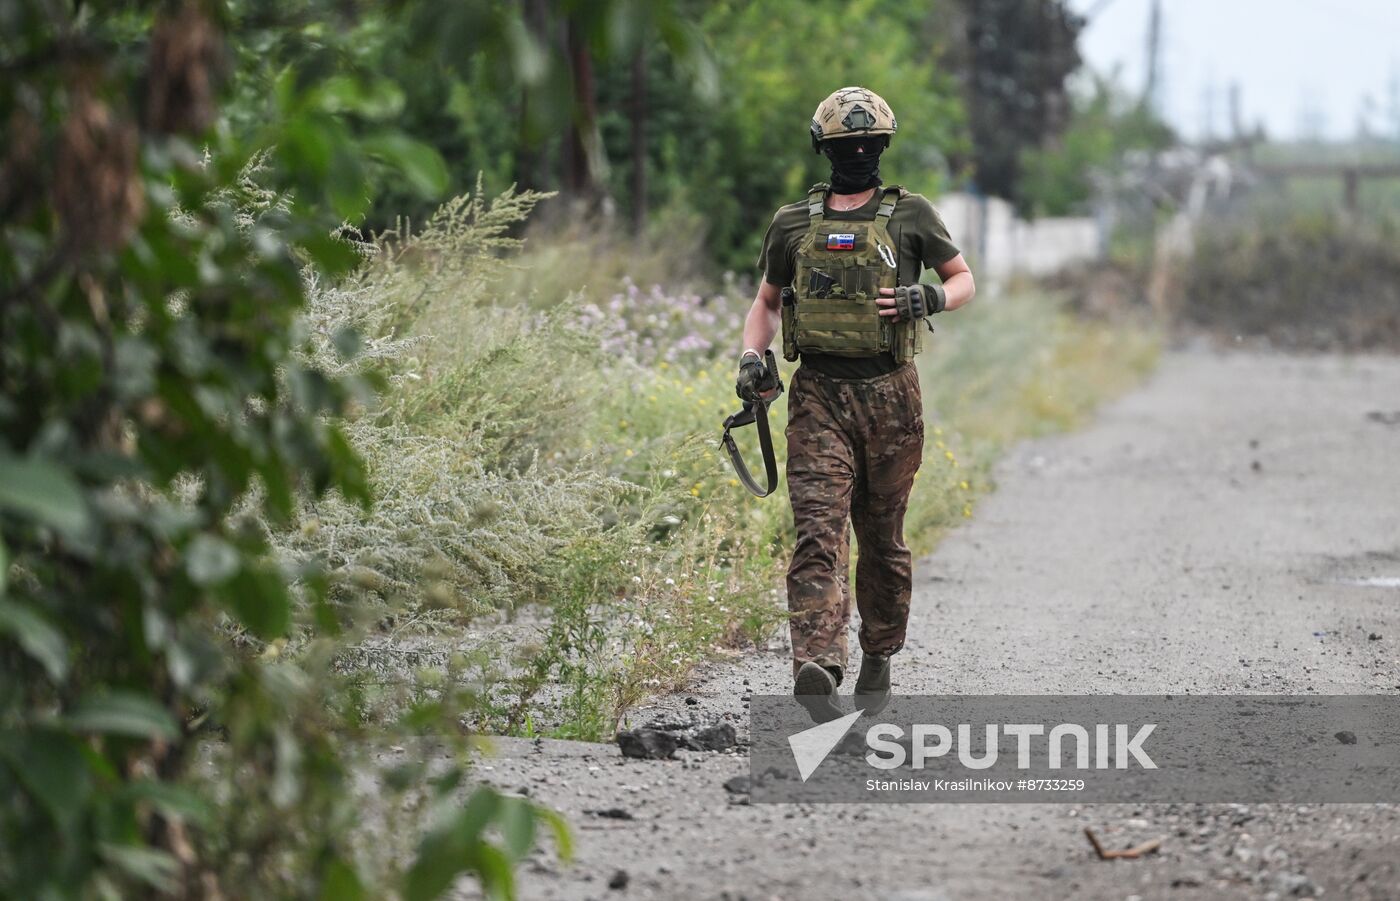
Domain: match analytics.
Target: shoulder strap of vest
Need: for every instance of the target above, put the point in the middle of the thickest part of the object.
(816, 201)
(888, 198)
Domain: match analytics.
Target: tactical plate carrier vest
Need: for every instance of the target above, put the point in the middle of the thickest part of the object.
(840, 268)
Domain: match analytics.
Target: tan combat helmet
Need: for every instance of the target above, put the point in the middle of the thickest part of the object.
(852, 111)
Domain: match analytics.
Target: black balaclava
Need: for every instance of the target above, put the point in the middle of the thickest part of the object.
(853, 171)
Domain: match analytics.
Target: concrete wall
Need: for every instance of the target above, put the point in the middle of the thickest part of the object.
(999, 245)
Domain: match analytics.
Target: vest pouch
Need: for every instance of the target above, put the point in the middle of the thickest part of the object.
(907, 339)
(855, 278)
(900, 337)
(789, 312)
(841, 326)
(869, 281)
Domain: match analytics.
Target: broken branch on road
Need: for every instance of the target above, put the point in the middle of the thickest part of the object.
(1142, 850)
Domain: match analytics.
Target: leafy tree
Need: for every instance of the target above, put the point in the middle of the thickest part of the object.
(1014, 62)
(1058, 179)
(522, 81)
(733, 161)
(155, 409)
(697, 110)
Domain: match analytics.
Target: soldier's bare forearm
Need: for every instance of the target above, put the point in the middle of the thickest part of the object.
(958, 284)
(959, 289)
(764, 319)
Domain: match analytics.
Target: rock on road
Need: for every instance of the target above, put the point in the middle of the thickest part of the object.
(1231, 527)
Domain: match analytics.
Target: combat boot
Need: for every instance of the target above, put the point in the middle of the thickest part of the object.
(873, 684)
(815, 689)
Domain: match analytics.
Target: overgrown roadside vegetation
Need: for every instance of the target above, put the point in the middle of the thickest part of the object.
(1301, 276)
(554, 518)
(274, 498)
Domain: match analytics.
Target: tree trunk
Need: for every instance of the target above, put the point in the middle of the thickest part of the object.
(531, 166)
(639, 139)
(585, 173)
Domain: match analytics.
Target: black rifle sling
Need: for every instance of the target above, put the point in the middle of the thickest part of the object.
(756, 412)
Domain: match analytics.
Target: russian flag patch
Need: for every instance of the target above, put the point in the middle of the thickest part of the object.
(840, 242)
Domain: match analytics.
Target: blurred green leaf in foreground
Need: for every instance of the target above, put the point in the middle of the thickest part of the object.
(157, 409)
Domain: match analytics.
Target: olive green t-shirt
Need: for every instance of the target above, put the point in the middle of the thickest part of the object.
(921, 240)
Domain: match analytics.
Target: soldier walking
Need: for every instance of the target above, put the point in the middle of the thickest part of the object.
(841, 276)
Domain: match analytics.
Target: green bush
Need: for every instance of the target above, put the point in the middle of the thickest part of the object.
(1309, 279)
(161, 407)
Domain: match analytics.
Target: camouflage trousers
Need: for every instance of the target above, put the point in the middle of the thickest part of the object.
(854, 446)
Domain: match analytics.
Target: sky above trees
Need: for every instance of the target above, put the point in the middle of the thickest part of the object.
(1304, 67)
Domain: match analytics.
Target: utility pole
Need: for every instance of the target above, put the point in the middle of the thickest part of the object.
(1236, 116)
(1393, 111)
(1208, 110)
(1154, 54)
(1312, 120)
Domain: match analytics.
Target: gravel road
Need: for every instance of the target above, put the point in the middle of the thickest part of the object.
(1231, 527)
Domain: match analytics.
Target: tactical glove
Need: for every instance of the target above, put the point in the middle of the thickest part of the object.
(917, 301)
(753, 378)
